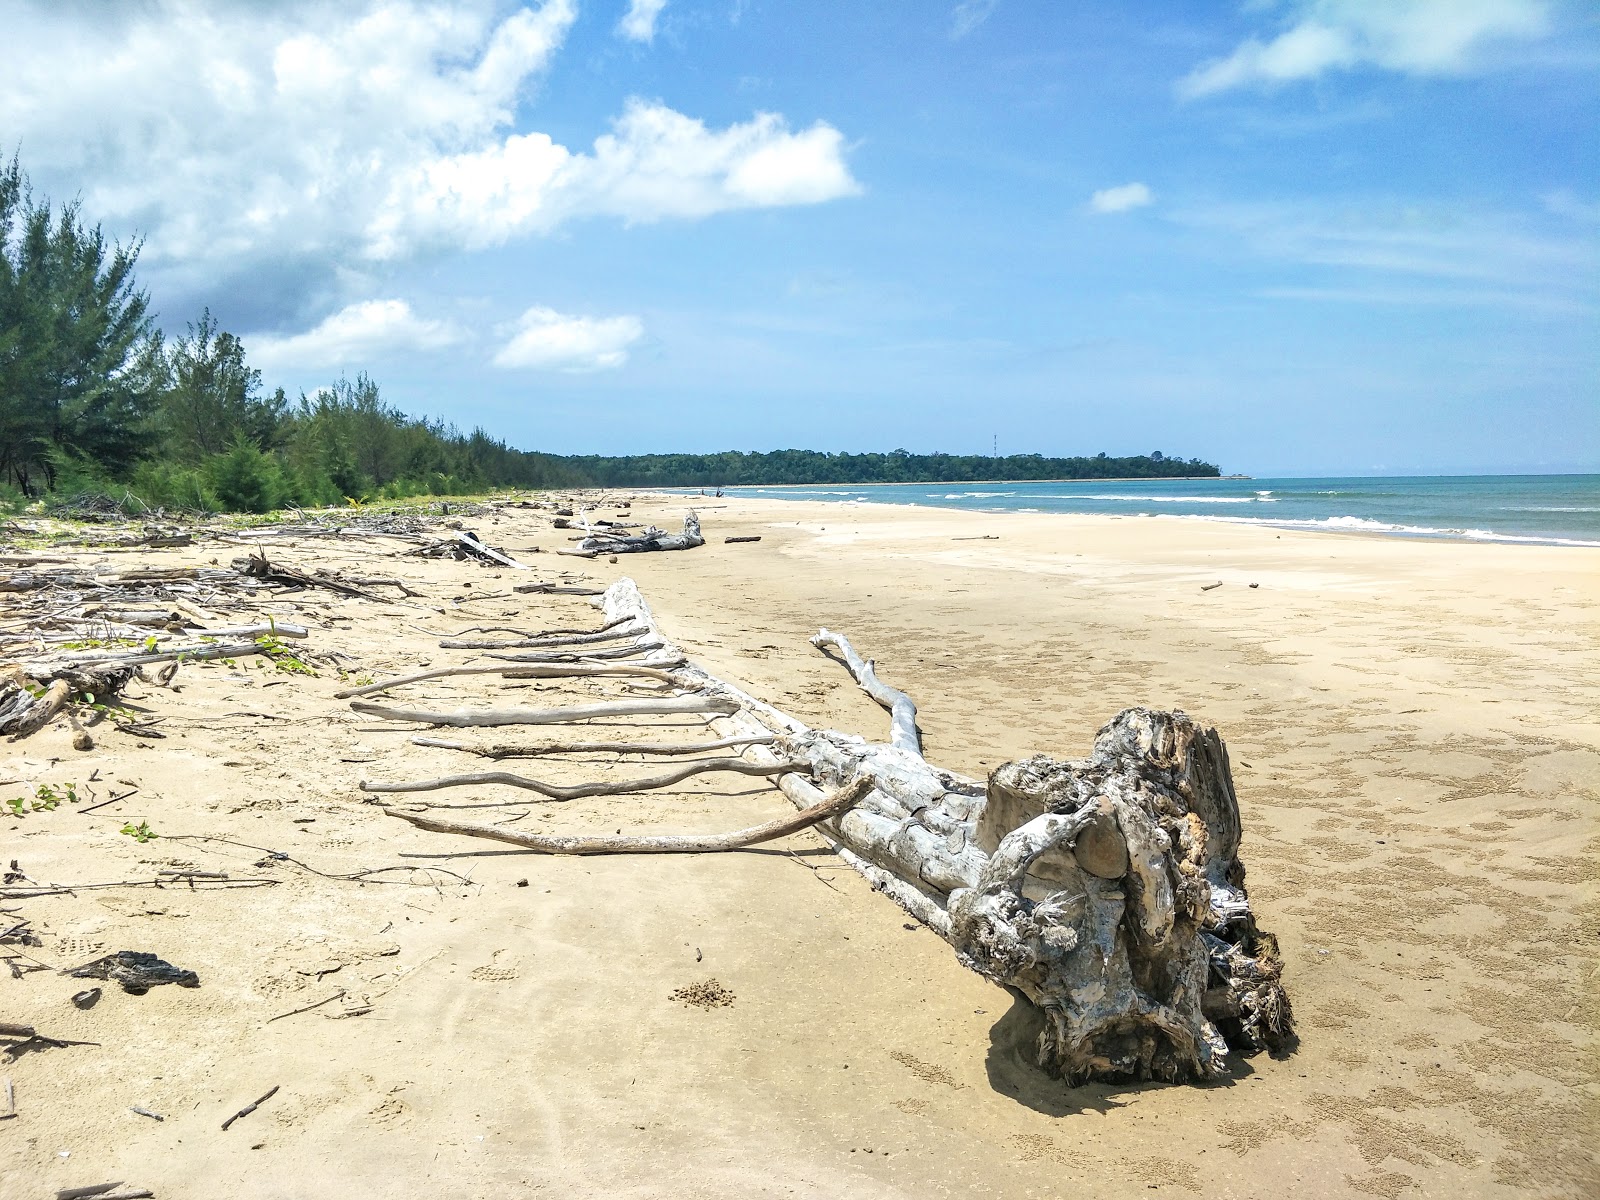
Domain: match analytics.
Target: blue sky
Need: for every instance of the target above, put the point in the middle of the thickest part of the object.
(1305, 236)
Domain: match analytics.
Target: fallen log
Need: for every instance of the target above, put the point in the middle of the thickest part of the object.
(650, 539)
(1108, 890)
(828, 807)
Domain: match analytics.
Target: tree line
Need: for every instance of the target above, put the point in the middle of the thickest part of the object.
(93, 397)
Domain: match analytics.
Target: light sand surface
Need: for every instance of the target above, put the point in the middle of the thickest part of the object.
(1413, 733)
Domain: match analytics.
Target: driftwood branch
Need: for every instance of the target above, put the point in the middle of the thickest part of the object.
(551, 748)
(830, 806)
(467, 718)
(554, 791)
(650, 539)
(902, 712)
(531, 671)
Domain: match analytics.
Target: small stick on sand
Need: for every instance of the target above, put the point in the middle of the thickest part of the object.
(296, 1011)
(250, 1108)
(1206, 587)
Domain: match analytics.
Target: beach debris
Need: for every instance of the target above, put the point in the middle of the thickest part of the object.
(86, 999)
(24, 1037)
(98, 1191)
(1107, 890)
(650, 539)
(1156, 973)
(250, 1108)
(135, 970)
(732, 541)
(1207, 587)
(145, 1112)
(707, 994)
(552, 791)
(465, 546)
(463, 718)
(828, 808)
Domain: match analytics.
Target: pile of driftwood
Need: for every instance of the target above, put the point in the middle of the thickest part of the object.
(73, 636)
(1108, 890)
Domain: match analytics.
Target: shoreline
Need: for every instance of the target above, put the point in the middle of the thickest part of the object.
(1346, 525)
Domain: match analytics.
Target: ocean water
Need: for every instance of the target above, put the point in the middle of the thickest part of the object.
(1548, 509)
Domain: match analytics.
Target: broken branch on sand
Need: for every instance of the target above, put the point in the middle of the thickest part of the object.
(531, 671)
(467, 718)
(550, 748)
(829, 807)
(580, 791)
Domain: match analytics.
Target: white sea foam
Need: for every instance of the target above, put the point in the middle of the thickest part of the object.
(1365, 525)
(1167, 499)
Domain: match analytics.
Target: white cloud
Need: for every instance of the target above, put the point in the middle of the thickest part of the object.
(639, 22)
(353, 336)
(968, 15)
(655, 164)
(318, 140)
(1423, 37)
(1121, 198)
(544, 339)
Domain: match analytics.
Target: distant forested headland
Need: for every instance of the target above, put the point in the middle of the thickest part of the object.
(736, 468)
(93, 399)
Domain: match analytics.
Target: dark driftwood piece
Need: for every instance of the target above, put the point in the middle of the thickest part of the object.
(829, 806)
(1107, 890)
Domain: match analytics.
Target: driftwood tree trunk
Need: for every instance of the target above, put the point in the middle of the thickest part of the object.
(1108, 890)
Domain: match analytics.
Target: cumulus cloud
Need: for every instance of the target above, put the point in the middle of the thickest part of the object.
(242, 138)
(655, 164)
(1121, 198)
(968, 15)
(1423, 37)
(353, 336)
(543, 339)
(638, 24)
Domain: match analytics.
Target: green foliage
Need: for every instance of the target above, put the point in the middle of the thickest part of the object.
(45, 798)
(140, 833)
(215, 398)
(162, 484)
(246, 479)
(81, 365)
(283, 656)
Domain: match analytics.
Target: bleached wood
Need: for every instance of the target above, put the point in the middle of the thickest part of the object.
(469, 718)
(550, 748)
(551, 671)
(902, 712)
(580, 791)
(541, 843)
(1012, 874)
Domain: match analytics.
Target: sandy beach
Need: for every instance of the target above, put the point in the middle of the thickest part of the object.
(1412, 727)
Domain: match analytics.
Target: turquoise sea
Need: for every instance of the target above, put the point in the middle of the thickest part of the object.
(1548, 509)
